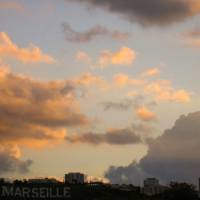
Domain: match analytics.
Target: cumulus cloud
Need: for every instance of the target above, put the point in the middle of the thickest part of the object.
(32, 54)
(123, 105)
(94, 32)
(35, 113)
(9, 160)
(173, 156)
(124, 57)
(121, 80)
(112, 136)
(149, 13)
(128, 174)
(162, 90)
(145, 115)
(11, 4)
(151, 72)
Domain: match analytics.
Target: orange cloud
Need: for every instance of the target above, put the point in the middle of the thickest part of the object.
(32, 54)
(124, 57)
(36, 114)
(46, 176)
(192, 43)
(96, 179)
(151, 72)
(163, 90)
(81, 56)
(11, 4)
(145, 115)
(121, 80)
(131, 93)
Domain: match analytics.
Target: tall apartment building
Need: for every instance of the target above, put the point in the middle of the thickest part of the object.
(152, 187)
(71, 177)
(151, 181)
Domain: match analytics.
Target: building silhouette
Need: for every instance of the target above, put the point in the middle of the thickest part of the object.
(76, 177)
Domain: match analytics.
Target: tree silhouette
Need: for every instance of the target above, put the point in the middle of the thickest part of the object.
(181, 191)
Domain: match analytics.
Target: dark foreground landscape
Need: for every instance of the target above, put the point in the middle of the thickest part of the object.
(177, 191)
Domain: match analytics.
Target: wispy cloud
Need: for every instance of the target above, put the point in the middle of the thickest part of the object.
(121, 80)
(151, 72)
(81, 56)
(32, 54)
(112, 136)
(122, 105)
(195, 32)
(12, 5)
(92, 33)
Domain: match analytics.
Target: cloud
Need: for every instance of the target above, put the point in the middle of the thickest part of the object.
(149, 13)
(11, 4)
(124, 57)
(121, 80)
(32, 54)
(163, 90)
(173, 156)
(36, 114)
(143, 128)
(81, 56)
(91, 34)
(112, 136)
(46, 176)
(192, 43)
(9, 161)
(96, 179)
(145, 115)
(151, 72)
(128, 174)
(131, 93)
(195, 32)
(123, 105)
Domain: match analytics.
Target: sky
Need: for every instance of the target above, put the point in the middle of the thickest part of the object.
(106, 88)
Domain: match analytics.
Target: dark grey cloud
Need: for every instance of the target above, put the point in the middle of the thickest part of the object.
(128, 174)
(122, 105)
(9, 163)
(173, 156)
(23, 166)
(94, 32)
(112, 136)
(149, 13)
